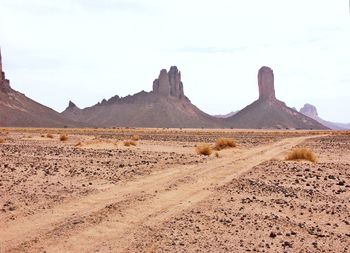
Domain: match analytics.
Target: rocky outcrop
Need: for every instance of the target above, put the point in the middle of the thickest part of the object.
(71, 105)
(17, 110)
(169, 83)
(4, 83)
(266, 84)
(269, 112)
(311, 111)
(164, 106)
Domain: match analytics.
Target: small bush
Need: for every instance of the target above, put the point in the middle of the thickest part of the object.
(302, 154)
(49, 136)
(79, 144)
(129, 143)
(223, 143)
(204, 149)
(2, 140)
(63, 137)
(135, 138)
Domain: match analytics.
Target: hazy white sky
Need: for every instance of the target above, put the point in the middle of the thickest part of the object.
(86, 50)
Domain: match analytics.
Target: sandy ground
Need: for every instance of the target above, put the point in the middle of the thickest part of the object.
(93, 194)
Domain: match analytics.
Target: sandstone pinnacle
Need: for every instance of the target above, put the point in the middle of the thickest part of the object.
(169, 83)
(266, 84)
(4, 83)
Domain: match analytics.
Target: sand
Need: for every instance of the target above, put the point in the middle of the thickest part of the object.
(93, 194)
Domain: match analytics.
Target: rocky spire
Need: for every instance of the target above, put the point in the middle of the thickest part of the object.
(1, 73)
(71, 104)
(169, 83)
(4, 83)
(266, 84)
(162, 84)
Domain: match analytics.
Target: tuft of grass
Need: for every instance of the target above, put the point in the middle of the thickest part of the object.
(223, 143)
(78, 144)
(63, 137)
(135, 138)
(217, 155)
(49, 136)
(129, 143)
(204, 149)
(2, 140)
(302, 154)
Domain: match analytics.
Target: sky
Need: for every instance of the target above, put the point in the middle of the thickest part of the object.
(86, 50)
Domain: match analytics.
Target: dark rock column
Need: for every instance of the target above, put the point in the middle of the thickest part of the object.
(169, 83)
(266, 84)
(4, 83)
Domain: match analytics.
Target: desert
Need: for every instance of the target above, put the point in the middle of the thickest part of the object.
(139, 126)
(90, 192)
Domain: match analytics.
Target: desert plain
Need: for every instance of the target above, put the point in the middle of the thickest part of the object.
(87, 190)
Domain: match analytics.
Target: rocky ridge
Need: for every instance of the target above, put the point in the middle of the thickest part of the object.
(165, 106)
(17, 110)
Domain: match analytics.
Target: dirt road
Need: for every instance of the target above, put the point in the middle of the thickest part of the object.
(107, 221)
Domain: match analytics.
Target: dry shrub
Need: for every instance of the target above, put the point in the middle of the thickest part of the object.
(302, 154)
(2, 140)
(129, 143)
(49, 136)
(135, 138)
(217, 155)
(63, 137)
(79, 144)
(204, 149)
(223, 143)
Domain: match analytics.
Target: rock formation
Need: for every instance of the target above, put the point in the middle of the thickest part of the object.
(4, 83)
(311, 111)
(165, 106)
(71, 105)
(169, 83)
(266, 84)
(17, 110)
(269, 112)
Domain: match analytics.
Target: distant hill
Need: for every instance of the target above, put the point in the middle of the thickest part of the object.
(17, 110)
(311, 111)
(268, 112)
(165, 106)
(224, 116)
